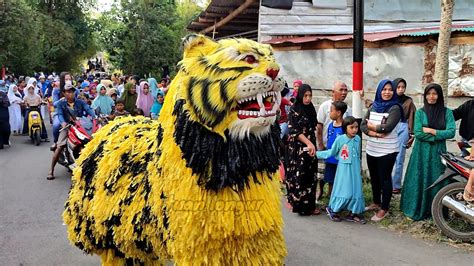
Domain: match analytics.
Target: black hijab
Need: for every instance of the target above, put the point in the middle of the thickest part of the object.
(401, 98)
(305, 110)
(435, 112)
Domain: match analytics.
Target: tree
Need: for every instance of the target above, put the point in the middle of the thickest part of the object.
(442, 52)
(44, 35)
(144, 36)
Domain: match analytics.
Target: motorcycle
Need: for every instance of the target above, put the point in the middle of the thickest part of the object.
(35, 124)
(451, 213)
(79, 134)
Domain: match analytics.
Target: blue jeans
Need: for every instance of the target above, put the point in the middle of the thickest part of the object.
(397, 173)
(56, 127)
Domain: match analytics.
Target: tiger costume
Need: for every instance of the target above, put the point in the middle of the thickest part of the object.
(199, 186)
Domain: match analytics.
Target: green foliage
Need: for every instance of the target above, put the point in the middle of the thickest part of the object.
(141, 37)
(138, 36)
(44, 35)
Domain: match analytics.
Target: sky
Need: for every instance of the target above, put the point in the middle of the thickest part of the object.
(104, 5)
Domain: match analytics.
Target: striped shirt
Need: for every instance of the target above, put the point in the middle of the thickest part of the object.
(378, 147)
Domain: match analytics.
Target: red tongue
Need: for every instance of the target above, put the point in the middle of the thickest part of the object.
(255, 106)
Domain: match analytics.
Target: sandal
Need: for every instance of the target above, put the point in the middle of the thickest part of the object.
(50, 177)
(316, 211)
(376, 218)
(332, 215)
(355, 218)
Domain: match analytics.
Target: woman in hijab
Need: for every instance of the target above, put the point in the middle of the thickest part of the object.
(15, 109)
(154, 87)
(33, 103)
(4, 118)
(381, 124)
(145, 99)
(434, 124)
(103, 102)
(129, 97)
(405, 133)
(300, 173)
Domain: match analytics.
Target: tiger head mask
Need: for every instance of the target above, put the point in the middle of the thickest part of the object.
(230, 84)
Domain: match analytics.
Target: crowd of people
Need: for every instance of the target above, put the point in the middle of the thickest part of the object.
(391, 125)
(326, 140)
(109, 96)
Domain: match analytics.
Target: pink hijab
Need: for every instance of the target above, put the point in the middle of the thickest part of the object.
(145, 101)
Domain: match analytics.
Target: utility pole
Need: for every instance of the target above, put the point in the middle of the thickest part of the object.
(358, 60)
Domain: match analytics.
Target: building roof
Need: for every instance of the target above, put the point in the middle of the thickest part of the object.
(375, 36)
(228, 18)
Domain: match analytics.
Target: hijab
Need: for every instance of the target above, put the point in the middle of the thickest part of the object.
(382, 106)
(13, 96)
(128, 98)
(306, 110)
(144, 101)
(30, 82)
(153, 87)
(435, 112)
(156, 108)
(401, 98)
(103, 101)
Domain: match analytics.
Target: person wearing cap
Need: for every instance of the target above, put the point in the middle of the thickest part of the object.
(63, 108)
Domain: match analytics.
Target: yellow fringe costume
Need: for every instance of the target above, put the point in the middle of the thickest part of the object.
(185, 188)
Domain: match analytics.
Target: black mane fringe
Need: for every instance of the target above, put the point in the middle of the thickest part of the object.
(218, 163)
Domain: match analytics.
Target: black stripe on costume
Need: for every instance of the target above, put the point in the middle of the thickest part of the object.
(89, 169)
(218, 163)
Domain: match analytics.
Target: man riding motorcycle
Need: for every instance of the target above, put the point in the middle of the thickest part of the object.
(65, 107)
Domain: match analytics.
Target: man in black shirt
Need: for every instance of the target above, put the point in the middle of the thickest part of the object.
(465, 112)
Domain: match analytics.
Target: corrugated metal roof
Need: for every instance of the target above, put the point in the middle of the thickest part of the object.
(244, 24)
(372, 36)
(431, 32)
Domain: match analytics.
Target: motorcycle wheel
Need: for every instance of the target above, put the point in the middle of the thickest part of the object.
(449, 222)
(37, 138)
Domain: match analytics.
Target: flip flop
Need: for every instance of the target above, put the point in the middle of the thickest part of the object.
(50, 177)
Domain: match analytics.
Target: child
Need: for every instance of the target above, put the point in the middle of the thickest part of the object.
(347, 191)
(336, 113)
(157, 105)
(120, 108)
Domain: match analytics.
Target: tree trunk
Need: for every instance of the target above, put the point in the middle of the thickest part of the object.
(442, 52)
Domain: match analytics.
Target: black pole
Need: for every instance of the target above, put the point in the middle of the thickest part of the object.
(358, 63)
(358, 46)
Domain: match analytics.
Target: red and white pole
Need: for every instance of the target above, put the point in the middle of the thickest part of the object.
(358, 60)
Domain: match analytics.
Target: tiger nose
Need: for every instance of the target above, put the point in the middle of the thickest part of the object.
(272, 73)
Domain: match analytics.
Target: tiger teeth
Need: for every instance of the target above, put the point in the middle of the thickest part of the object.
(258, 97)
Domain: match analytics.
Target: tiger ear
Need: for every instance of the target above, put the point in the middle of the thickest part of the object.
(197, 45)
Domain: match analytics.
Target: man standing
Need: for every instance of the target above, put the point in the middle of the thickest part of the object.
(339, 93)
(65, 107)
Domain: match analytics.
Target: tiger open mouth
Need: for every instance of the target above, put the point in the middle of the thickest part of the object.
(260, 105)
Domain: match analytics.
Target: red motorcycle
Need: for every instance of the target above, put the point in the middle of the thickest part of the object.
(79, 134)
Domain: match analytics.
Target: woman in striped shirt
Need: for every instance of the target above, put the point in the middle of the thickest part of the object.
(381, 124)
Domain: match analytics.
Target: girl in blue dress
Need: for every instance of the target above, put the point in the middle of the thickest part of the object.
(347, 190)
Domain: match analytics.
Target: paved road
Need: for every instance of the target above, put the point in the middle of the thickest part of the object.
(32, 233)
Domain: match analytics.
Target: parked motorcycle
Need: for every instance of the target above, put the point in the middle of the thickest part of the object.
(451, 213)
